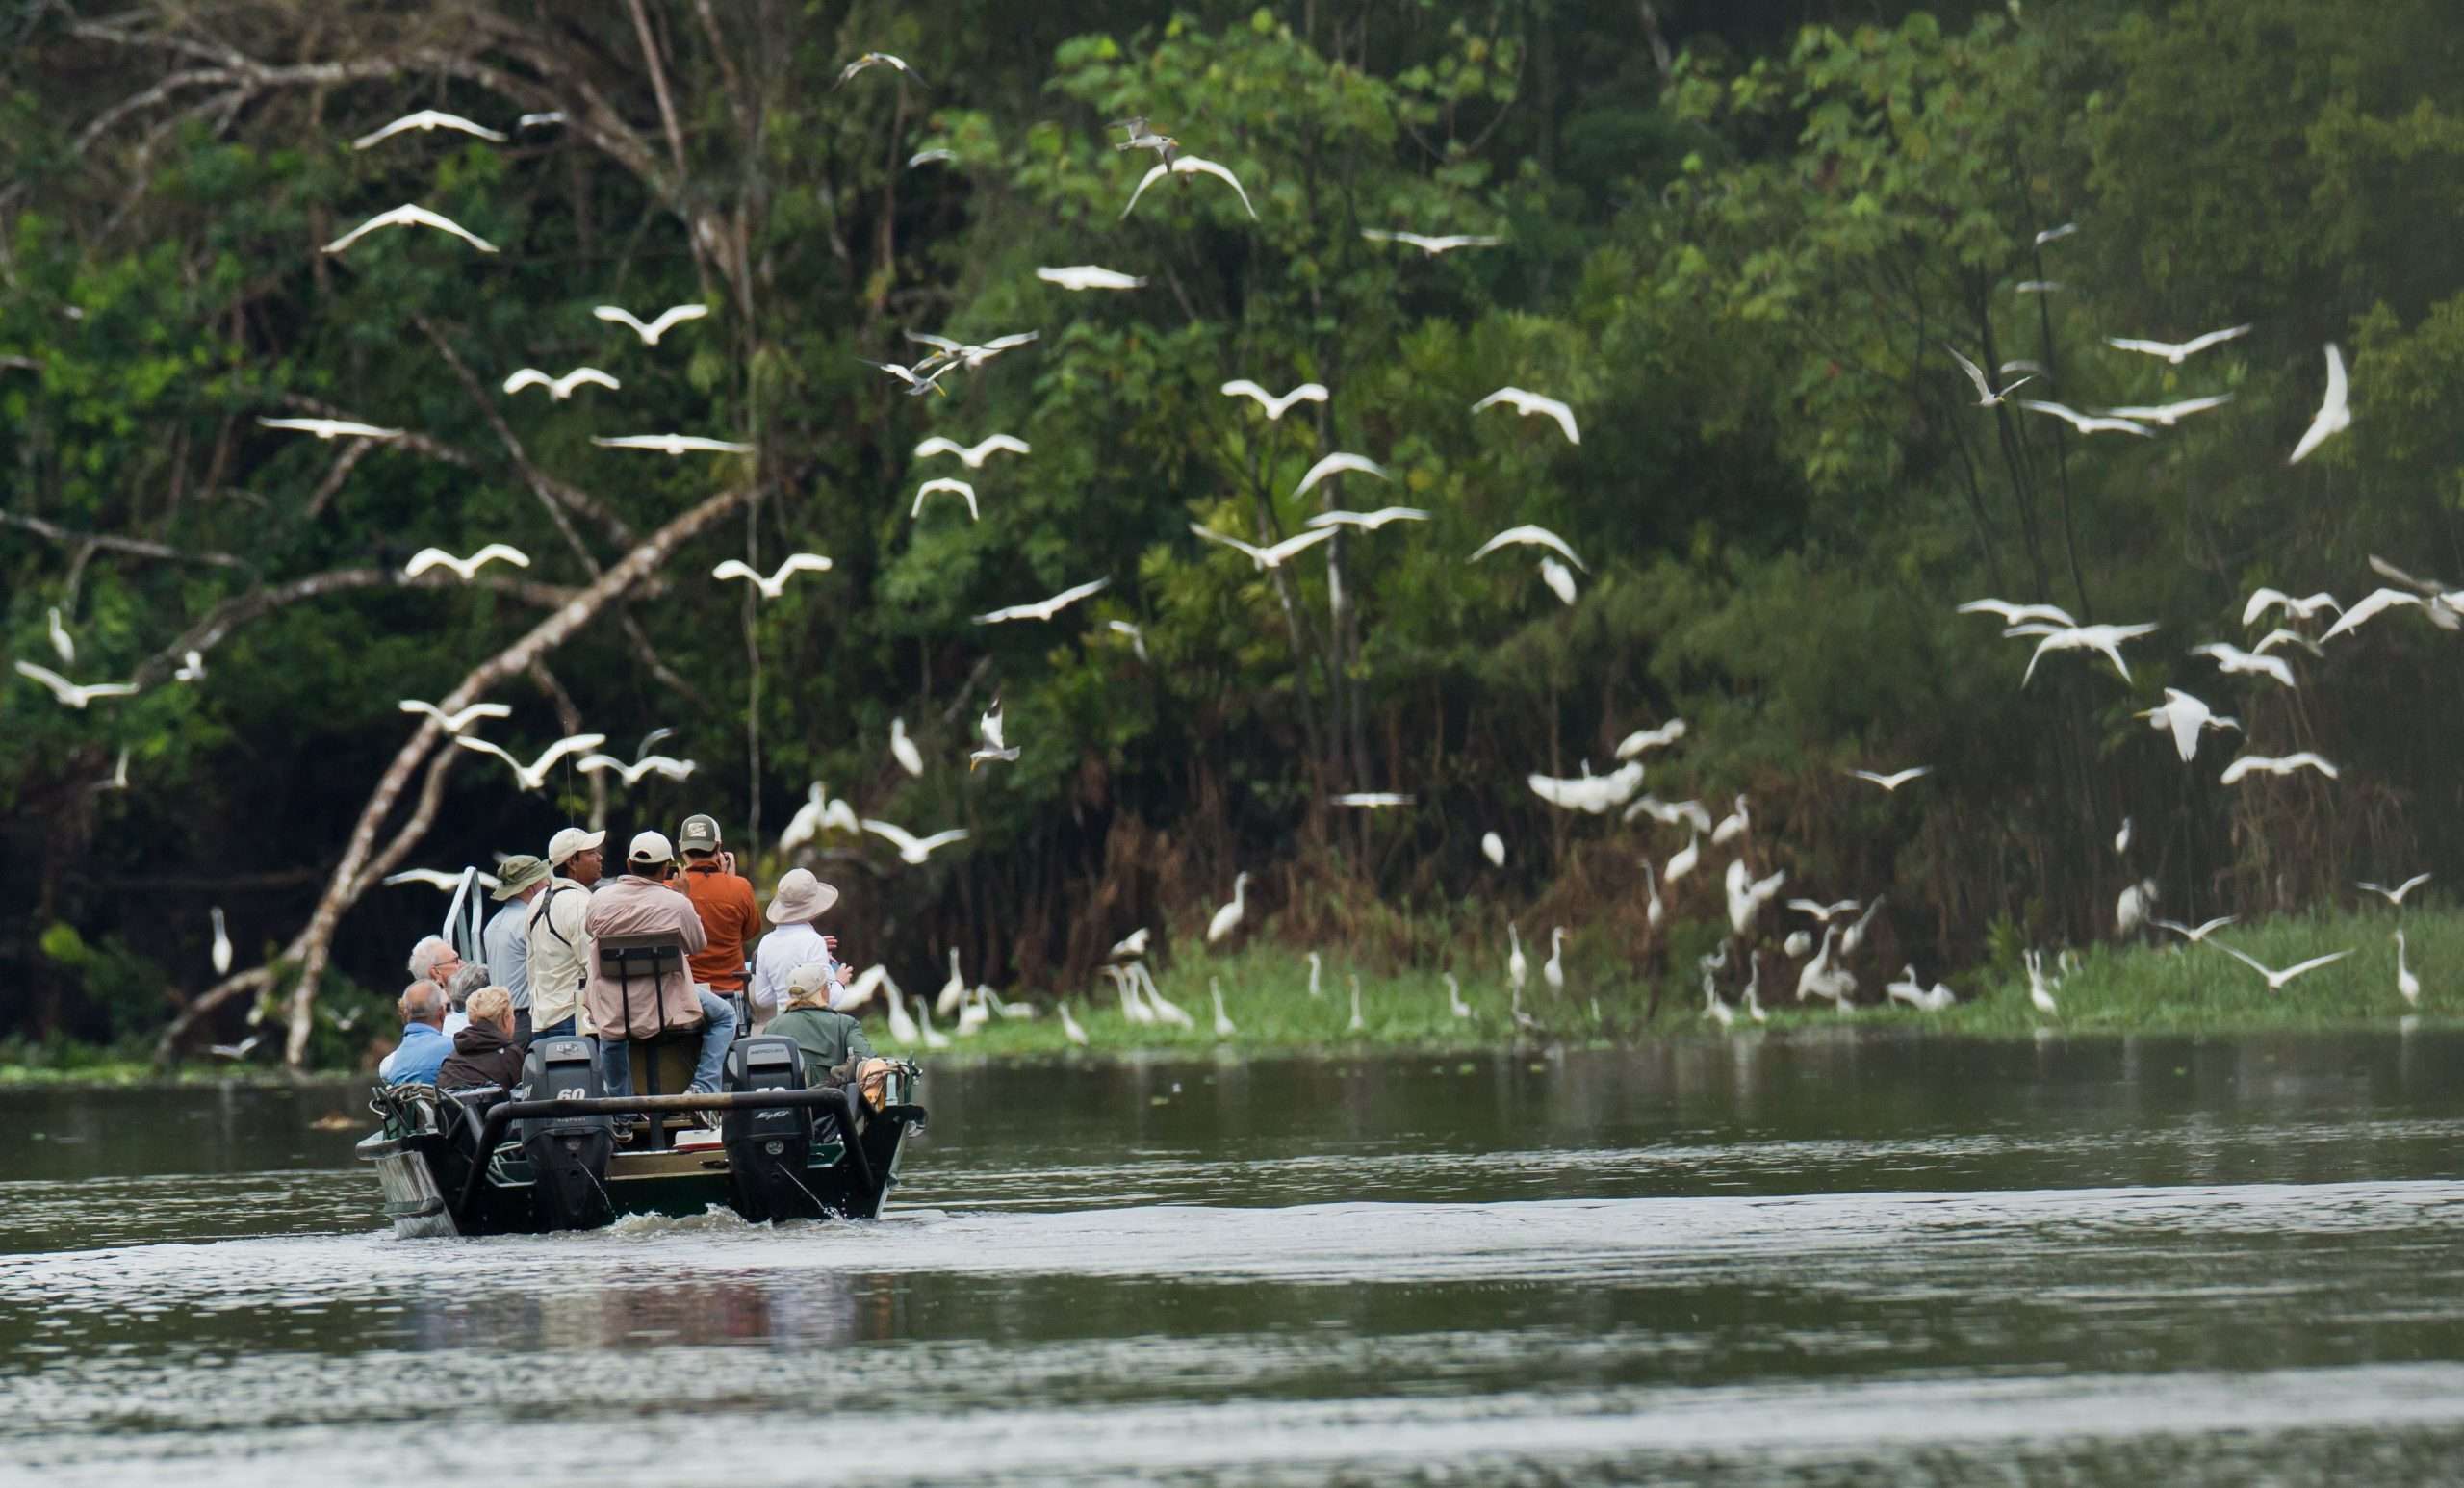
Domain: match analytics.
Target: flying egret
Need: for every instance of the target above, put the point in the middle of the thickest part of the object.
(221, 943)
(1681, 861)
(2176, 352)
(559, 388)
(945, 483)
(2305, 607)
(1536, 536)
(436, 878)
(1087, 277)
(1130, 946)
(463, 568)
(1891, 783)
(2019, 614)
(1432, 246)
(1370, 799)
(69, 693)
(2194, 934)
(1559, 578)
(62, 642)
(873, 60)
(911, 849)
(1747, 895)
(2407, 985)
(2231, 659)
(1043, 609)
(1677, 813)
(2276, 980)
(2056, 234)
(1337, 464)
(1141, 137)
(191, 667)
(237, 1050)
(925, 377)
(1227, 919)
(1273, 556)
(820, 811)
(1136, 636)
(663, 765)
(2335, 414)
(2087, 423)
(1306, 393)
(534, 775)
(2037, 286)
(1855, 934)
(1493, 848)
(2167, 415)
(1813, 978)
(2121, 838)
(407, 216)
(902, 748)
(1517, 966)
(540, 121)
(1595, 794)
(1528, 403)
(2286, 765)
(993, 748)
(775, 584)
(425, 120)
(117, 780)
(1358, 1025)
(952, 989)
(455, 722)
(2396, 896)
(673, 445)
(2187, 717)
(1454, 1002)
(1986, 396)
(964, 354)
(1184, 165)
(1733, 826)
(1223, 1028)
(938, 156)
(2369, 608)
(1368, 520)
(2104, 640)
(330, 429)
(1642, 739)
(2284, 636)
(974, 455)
(667, 320)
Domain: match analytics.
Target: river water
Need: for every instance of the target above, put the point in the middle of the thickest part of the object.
(1851, 1260)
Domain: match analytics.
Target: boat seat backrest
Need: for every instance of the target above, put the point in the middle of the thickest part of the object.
(642, 958)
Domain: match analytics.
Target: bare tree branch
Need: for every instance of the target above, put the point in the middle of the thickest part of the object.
(136, 546)
(240, 609)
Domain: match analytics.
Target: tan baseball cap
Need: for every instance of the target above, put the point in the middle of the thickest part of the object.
(570, 840)
(700, 834)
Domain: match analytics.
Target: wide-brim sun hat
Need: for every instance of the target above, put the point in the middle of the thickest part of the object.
(518, 873)
(800, 897)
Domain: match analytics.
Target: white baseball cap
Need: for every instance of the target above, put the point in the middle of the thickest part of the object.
(650, 847)
(570, 840)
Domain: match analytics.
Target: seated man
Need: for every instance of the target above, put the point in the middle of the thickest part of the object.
(647, 901)
(828, 1040)
(435, 961)
(486, 1051)
(424, 1046)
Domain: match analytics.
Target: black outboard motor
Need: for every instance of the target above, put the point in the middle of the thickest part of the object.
(768, 1148)
(568, 1155)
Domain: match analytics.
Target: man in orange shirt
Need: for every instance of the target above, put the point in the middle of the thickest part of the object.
(724, 900)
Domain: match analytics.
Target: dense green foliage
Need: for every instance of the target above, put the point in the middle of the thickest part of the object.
(1740, 266)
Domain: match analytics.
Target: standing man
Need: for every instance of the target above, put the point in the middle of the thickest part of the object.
(506, 943)
(730, 919)
(560, 944)
(647, 901)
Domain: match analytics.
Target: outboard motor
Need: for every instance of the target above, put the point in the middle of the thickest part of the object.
(568, 1155)
(768, 1148)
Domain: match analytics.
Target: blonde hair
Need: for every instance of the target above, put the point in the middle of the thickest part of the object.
(490, 1005)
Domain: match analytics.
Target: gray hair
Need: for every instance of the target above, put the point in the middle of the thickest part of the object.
(431, 950)
(422, 1002)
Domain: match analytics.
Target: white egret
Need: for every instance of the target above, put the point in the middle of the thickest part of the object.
(873, 60)
(1716, 1011)
(1824, 914)
(1986, 396)
(2194, 934)
(2039, 995)
(436, 878)
(2087, 423)
(1752, 997)
(870, 981)
(952, 989)
(974, 455)
(1559, 578)
(117, 780)
(1813, 978)
(1681, 861)
(330, 429)
(2286, 765)
(1184, 165)
(993, 750)
(2282, 636)
(668, 319)
(1517, 966)
(933, 1040)
(1223, 1028)
(1642, 739)
(2167, 415)
(967, 353)
(1733, 826)
(2135, 904)
(1855, 934)
(1535, 536)
(2396, 896)
(1087, 277)
(2187, 717)
(1797, 944)
(463, 568)
(237, 1050)
(1528, 405)
(1136, 636)
(923, 377)
(1069, 1027)
(2037, 286)
(1227, 918)
(69, 693)
(2104, 640)
(911, 849)
(1891, 783)
(1554, 970)
(1493, 848)
(820, 811)
(191, 667)
(409, 217)
(1595, 794)
(945, 483)
(1165, 1009)
(1336, 464)
(2121, 838)
(2231, 659)
(2335, 413)
(936, 157)
(775, 584)
(1306, 393)
(534, 775)
(902, 1027)
(632, 773)
(1273, 556)
(455, 722)
(1370, 799)
(2176, 352)
(425, 120)
(559, 388)
(62, 642)
(1129, 947)
(2276, 980)
(1358, 1025)
(2056, 234)
(1044, 609)
(2019, 614)
(1654, 911)
(1671, 814)
(2369, 608)
(2407, 985)
(1368, 520)
(673, 445)
(1746, 896)
(1908, 988)
(221, 943)
(1314, 967)
(1432, 246)
(1133, 1007)
(1454, 1002)
(2305, 608)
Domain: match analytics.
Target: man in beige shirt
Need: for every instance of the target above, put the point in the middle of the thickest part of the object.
(650, 901)
(559, 943)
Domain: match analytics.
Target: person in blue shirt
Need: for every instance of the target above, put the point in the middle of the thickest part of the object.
(505, 945)
(423, 1047)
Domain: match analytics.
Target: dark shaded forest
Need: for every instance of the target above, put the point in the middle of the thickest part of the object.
(1738, 241)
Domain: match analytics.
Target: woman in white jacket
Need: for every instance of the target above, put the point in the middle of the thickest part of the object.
(795, 908)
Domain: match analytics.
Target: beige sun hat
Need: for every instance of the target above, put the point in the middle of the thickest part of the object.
(800, 897)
